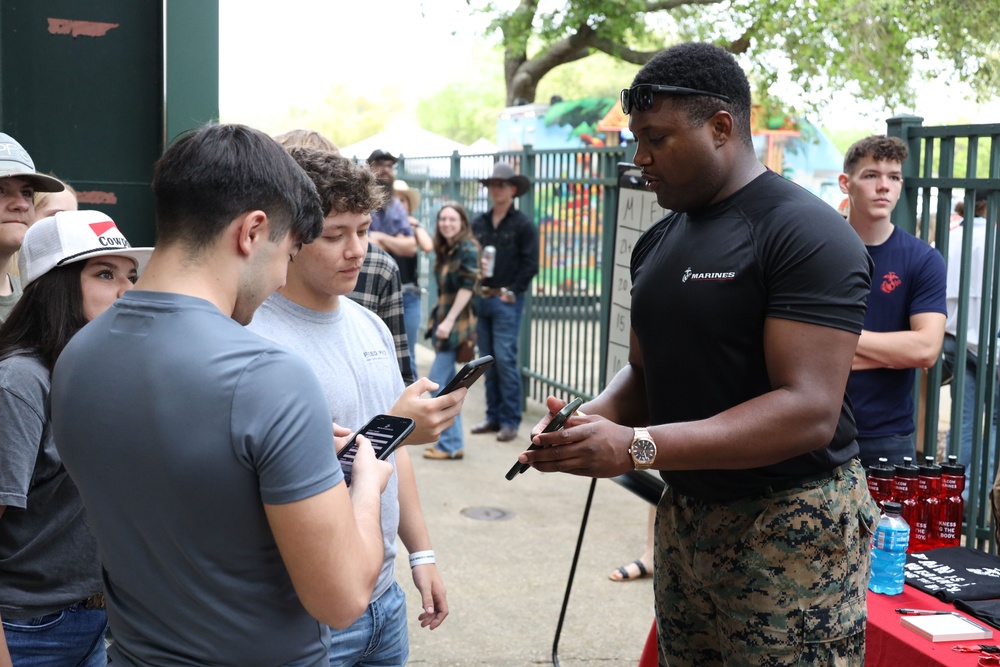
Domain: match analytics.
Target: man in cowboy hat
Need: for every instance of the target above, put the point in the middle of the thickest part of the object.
(18, 182)
(516, 241)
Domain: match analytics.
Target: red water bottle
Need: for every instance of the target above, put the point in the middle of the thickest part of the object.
(953, 507)
(904, 492)
(880, 478)
(929, 500)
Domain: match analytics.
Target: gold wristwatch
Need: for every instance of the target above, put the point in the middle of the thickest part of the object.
(643, 449)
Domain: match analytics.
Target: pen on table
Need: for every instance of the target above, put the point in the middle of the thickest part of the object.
(924, 612)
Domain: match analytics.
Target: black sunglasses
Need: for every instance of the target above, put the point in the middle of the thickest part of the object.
(641, 96)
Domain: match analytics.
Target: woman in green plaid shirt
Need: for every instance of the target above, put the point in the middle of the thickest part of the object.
(453, 322)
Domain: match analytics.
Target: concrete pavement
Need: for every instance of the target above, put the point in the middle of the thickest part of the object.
(504, 549)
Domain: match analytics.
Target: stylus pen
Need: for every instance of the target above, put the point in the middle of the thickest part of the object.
(924, 612)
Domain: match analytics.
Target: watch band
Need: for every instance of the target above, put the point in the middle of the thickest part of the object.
(640, 433)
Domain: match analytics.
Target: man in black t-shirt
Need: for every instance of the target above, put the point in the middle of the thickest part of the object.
(747, 303)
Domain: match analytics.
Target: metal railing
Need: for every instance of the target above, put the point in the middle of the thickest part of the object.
(925, 209)
(573, 200)
(573, 194)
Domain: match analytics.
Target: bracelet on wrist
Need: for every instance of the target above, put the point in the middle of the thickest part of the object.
(422, 558)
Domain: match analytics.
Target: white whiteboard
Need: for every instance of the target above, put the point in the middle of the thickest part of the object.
(637, 211)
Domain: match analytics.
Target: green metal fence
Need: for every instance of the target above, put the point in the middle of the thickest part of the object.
(935, 178)
(572, 196)
(573, 200)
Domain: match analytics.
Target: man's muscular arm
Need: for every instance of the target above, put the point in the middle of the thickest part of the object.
(808, 367)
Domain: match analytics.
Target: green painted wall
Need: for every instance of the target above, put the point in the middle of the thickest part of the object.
(82, 89)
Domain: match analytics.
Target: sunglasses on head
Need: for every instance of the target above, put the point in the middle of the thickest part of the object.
(640, 97)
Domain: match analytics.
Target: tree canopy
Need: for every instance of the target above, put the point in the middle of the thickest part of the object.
(871, 47)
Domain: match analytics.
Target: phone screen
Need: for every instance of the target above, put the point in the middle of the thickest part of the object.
(385, 432)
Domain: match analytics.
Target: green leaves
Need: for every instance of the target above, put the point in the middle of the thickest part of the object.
(871, 47)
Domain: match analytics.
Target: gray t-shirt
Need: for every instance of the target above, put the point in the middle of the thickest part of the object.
(7, 302)
(48, 558)
(178, 425)
(352, 352)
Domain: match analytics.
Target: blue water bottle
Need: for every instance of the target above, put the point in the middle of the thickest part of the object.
(889, 551)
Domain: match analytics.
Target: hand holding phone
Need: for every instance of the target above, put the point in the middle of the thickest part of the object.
(385, 432)
(556, 423)
(467, 377)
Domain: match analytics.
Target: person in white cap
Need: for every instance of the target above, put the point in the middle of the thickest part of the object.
(18, 183)
(73, 266)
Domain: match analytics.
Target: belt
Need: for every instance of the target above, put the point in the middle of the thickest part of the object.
(489, 291)
(789, 484)
(95, 601)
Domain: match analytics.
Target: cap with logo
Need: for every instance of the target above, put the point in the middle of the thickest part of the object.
(15, 161)
(73, 236)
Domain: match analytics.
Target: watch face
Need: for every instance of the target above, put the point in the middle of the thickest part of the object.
(643, 450)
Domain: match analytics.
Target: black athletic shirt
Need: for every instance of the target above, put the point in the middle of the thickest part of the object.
(703, 284)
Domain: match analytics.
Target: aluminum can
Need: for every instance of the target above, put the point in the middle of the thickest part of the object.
(490, 257)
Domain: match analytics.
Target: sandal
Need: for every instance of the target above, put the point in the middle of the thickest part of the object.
(622, 574)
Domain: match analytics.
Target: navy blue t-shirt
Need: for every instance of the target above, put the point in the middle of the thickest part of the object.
(909, 278)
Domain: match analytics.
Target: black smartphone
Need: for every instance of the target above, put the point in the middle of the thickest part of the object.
(386, 432)
(557, 422)
(467, 377)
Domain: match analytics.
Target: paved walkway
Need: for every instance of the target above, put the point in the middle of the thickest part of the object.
(506, 577)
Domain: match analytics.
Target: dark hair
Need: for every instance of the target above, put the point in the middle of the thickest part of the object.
(46, 316)
(343, 186)
(703, 67)
(212, 175)
(441, 246)
(878, 147)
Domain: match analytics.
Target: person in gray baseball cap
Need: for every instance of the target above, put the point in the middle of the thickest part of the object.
(18, 182)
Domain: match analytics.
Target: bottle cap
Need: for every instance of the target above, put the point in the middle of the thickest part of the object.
(953, 467)
(892, 506)
(906, 468)
(882, 470)
(930, 468)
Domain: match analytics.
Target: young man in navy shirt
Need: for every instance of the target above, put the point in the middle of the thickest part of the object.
(904, 325)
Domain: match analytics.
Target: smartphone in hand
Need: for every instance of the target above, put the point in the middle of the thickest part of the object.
(386, 432)
(468, 375)
(558, 421)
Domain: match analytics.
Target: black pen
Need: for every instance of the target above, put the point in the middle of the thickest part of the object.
(923, 612)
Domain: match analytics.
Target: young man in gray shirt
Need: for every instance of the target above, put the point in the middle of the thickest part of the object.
(212, 487)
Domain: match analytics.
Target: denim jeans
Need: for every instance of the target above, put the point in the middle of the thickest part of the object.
(498, 328)
(73, 637)
(378, 638)
(442, 371)
(411, 324)
(892, 447)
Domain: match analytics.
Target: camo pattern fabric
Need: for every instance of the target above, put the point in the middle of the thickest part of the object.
(775, 579)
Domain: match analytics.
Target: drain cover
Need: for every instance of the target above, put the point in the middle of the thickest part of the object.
(487, 513)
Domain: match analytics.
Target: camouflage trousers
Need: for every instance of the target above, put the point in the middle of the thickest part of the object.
(775, 579)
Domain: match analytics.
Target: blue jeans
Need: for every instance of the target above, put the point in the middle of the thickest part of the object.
(498, 329)
(73, 637)
(442, 371)
(378, 638)
(892, 447)
(411, 324)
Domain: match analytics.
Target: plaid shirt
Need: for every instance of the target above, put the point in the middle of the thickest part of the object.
(459, 269)
(380, 291)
